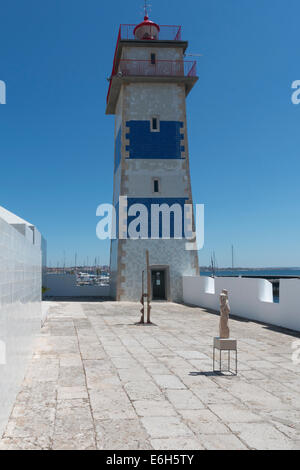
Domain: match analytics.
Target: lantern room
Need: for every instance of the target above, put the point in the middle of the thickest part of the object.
(147, 30)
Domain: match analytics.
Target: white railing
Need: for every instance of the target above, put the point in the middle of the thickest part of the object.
(249, 298)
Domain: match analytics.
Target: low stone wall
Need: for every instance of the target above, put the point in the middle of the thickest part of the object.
(64, 285)
(249, 298)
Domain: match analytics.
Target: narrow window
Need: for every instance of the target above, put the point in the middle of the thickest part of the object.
(156, 186)
(155, 124)
(153, 59)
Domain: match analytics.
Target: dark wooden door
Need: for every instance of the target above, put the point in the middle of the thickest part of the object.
(158, 285)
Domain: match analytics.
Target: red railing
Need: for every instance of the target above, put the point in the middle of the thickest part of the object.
(114, 64)
(168, 68)
(171, 33)
(167, 33)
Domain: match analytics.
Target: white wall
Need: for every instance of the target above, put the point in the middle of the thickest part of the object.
(249, 298)
(64, 285)
(20, 304)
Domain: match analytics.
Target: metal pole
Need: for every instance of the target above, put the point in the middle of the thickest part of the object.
(148, 287)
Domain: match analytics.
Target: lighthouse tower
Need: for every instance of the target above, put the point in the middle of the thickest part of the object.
(147, 94)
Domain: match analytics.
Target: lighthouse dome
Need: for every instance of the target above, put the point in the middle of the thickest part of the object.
(147, 30)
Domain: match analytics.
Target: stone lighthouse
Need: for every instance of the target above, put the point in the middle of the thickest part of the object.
(147, 94)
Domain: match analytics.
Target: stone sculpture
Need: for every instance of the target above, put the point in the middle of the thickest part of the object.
(224, 315)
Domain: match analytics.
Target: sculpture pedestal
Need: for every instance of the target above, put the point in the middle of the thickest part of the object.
(228, 345)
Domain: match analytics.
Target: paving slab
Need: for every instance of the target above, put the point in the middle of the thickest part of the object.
(154, 408)
(121, 435)
(169, 382)
(182, 443)
(164, 427)
(184, 400)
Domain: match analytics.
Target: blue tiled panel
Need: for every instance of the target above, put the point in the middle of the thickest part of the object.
(148, 202)
(164, 144)
(118, 149)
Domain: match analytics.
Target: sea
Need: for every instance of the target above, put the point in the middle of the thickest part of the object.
(277, 272)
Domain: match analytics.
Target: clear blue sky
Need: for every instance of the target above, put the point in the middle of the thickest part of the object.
(56, 144)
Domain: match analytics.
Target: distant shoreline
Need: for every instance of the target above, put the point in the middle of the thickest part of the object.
(207, 268)
(252, 272)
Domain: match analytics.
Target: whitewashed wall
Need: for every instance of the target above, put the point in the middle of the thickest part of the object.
(64, 285)
(249, 298)
(20, 304)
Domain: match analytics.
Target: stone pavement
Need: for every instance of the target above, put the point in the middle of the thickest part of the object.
(97, 381)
